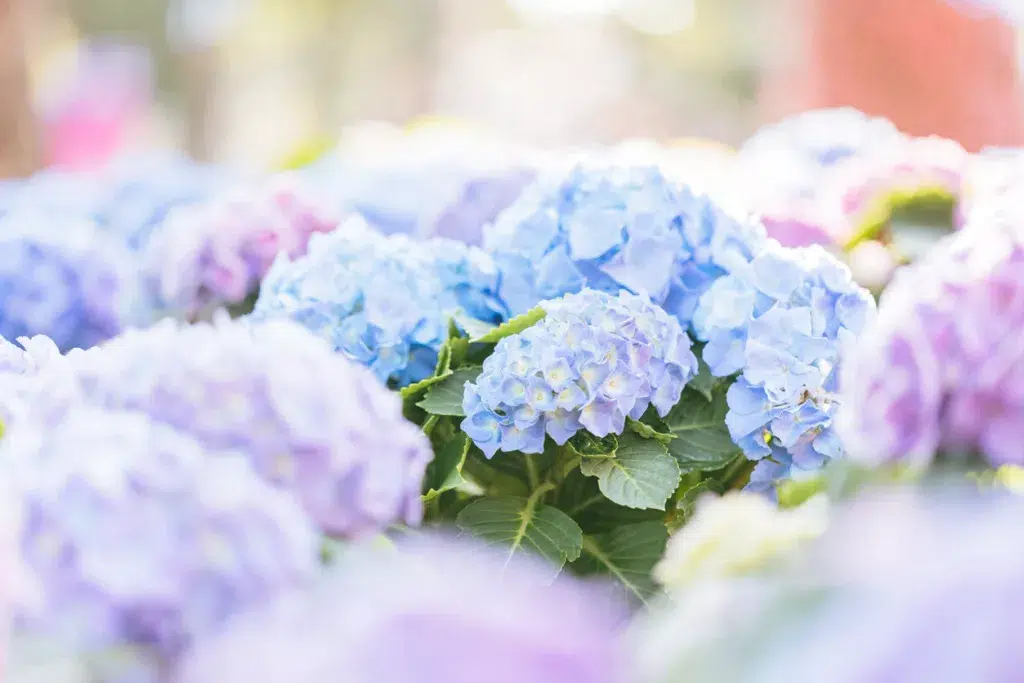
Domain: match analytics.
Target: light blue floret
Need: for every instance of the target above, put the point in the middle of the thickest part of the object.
(616, 229)
(593, 361)
(383, 301)
(781, 324)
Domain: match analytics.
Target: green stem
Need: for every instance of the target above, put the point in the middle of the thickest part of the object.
(531, 472)
(576, 509)
(737, 469)
(535, 497)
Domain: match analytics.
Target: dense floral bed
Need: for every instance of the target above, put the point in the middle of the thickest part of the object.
(580, 416)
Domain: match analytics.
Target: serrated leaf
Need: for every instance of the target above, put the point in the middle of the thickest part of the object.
(687, 504)
(524, 525)
(702, 440)
(445, 397)
(587, 445)
(641, 475)
(648, 432)
(628, 554)
(513, 326)
(444, 472)
(444, 360)
(417, 388)
(580, 497)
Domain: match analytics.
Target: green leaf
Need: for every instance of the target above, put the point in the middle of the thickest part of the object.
(686, 505)
(588, 445)
(444, 360)
(513, 326)
(444, 472)
(704, 382)
(627, 553)
(524, 525)
(648, 432)
(445, 397)
(702, 440)
(641, 475)
(417, 388)
(580, 497)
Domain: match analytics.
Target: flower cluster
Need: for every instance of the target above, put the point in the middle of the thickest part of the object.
(909, 619)
(134, 537)
(426, 181)
(309, 420)
(616, 229)
(382, 301)
(593, 360)
(65, 279)
(941, 370)
(22, 375)
(385, 619)
(217, 252)
(781, 324)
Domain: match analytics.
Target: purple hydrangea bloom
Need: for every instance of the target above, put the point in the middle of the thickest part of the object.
(26, 372)
(65, 279)
(942, 369)
(432, 612)
(139, 534)
(782, 324)
(616, 229)
(593, 360)
(482, 199)
(922, 588)
(1010, 10)
(382, 301)
(217, 252)
(309, 420)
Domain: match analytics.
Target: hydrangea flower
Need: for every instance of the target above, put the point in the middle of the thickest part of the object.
(870, 188)
(781, 324)
(386, 618)
(928, 588)
(1010, 10)
(423, 181)
(941, 371)
(216, 253)
(309, 420)
(139, 534)
(65, 279)
(616, 229)
(382, 301)
(593, 360)
(25, 373)
(735, 535)
(787, 158)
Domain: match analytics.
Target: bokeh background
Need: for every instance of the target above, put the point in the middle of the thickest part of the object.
(261, 82)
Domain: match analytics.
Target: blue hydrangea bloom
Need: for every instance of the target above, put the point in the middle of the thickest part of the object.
(614, 229)
(781, 323)
(383, 301)
(385, 617)
(65, 279)
(309, 420)
(593, 360)
(140, 535)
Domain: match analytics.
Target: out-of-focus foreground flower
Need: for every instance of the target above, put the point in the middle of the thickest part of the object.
(309, 420)
(432, 612)
(902, 587)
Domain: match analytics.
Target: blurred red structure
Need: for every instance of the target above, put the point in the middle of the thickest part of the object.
(921, 63)
(18, 136)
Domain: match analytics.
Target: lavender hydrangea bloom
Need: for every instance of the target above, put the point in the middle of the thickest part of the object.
(309, 420)
(1010, 10)
(591, 362)
(65, 279)
(433, 612)
(384, 302)
(216, 253)
(480, 202)
(139, 534)
(928, 588)
(782, 324)
(26, 372)
(941, 371)
(616, 229)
